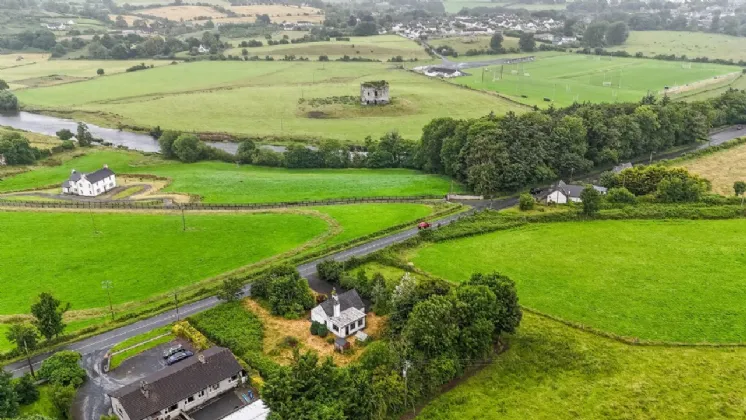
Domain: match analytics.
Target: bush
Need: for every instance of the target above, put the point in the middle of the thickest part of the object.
(526, 202)
(26, 390)
(8, 101)
(185, 330)
(330, 271)
(620, 195)
(65, 134)
(322, 330)
(267, 157)
(62, 369)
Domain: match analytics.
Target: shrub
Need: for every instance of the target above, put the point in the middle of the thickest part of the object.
(330, 271)
(65, 134)
(620, 195)
(267, 157)
(26, 390)
(62, 369)
(526, 202)
(8, 101)
(186, 331)
(322, 330)
(330, 339)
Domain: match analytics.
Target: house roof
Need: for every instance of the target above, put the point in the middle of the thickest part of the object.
(347, 317)
(102, 173)
(347, 300)
(177, 382)
(569, 190)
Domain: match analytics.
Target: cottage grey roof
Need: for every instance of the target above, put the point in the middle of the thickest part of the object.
(66, 184)
(621, 167)
(347, 300)
(75, 176)
(177, 382)
(102, 173)
(347, 317)
(570, 190)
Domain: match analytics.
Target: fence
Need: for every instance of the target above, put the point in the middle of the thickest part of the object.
(129, 205)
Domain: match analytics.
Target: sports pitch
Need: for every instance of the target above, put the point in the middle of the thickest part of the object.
(566, 78)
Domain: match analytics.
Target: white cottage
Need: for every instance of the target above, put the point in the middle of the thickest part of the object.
(343, 315)
(180, 388)
(92, 184)
(563, 193)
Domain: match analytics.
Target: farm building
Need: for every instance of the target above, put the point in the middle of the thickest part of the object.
(621, 167)
(374, 93)
(343, 314)
(180, 388)
(561, 193)
(90, 185)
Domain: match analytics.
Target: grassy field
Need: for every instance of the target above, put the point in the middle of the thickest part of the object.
(568, 78)
(555, 372)
(178, 13)
(37, 70)
(43, 406)
(37, 140)
(679, 281)
(70, 254)
(143, 342)
(231, 97)
(462, 44)
(219, 182)
(382, 47)
(721, 168)
(715, 90)
(691, 44)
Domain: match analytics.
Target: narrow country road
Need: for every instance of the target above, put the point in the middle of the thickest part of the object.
(101, 342)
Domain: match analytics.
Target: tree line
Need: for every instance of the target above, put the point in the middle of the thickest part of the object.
(494, 154)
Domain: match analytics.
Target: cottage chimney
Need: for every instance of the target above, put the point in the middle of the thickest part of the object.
(335, 298)
(73, 171)
(201, 358)
(145, 389)
(106, 166)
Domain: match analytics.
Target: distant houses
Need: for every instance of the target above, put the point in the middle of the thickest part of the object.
(90, 185)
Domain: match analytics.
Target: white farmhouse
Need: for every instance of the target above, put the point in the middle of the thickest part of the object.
(92, 184)
(563, 193)
(343, 314)
(180, 388)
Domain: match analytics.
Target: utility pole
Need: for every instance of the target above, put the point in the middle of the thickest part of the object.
(93, 221)
(28, 359)
(183, 220)
(106, 284)
(176, 301)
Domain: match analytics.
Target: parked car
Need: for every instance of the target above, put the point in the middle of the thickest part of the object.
(423, 225)
(173, 350)
(179, 357)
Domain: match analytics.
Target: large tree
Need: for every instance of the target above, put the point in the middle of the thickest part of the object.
(24, 336)
(527, 42)
(188, 148)
(48, 312)
(8, 396)
(17, 150)
(595, 34)
(591, 200)
(8, 101)
(496, 42)
(617, 33)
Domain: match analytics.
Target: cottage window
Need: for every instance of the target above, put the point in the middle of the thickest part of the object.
(201, 393)
(335, 328)
(190, 399)
(173, 407)
(234, 377)
(360, 322)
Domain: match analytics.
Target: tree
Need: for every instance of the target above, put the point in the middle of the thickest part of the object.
(332, 154)
(595, 34)
(230, 290)
(17, 150)
(3, 85)
(166, 143)
(62, 369)
(617, 33)
(330, 271)
(120, 22)
(26, 390)
(188, 148)
(263, 19)
(496, 42)
(526, 42)
(48, 312)
(526, 202)
(591, 200)
(380, 295)
(8, 101)
(62, 398)
(24, 336)
(675, 190)
(364, 28)
(620, 195)
(431, 143)
(8, 396)
(84, 135)
(246, 151)
(100, 72)
(288, 293)
(65, 134)
(509, 314)
(739, 187)
(474, 309)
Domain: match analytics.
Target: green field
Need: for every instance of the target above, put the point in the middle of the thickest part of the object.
(381, 48)
(143, 342)
(218, 182)
(462, 44)
(232, 97)
(551, 371)
(691, 44)
(143, 255)
(679, 281)
(454, 6)
(568, 78)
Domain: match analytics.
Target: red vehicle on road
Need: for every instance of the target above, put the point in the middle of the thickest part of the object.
(423, 225)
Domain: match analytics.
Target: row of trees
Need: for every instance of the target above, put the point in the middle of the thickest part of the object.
(436, 332)
(602, 33)
(506, 153)
(287, 293)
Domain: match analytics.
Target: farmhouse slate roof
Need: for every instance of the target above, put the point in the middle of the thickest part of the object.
(177, 382)
(102, 173)
(347, 300)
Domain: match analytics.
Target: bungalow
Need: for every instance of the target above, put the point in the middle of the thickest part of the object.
(179, 388)
(343, 314)
(561, 193)
(90, 185)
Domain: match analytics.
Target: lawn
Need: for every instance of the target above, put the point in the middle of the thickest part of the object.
(567, 78)
(462, 44)
(218, 182)
(381, 47)
(151, 339)
(722, 168)
(691, 44)
(232, 97)
(43, 406)
(552, 371)
(142, 255)
(679, 281)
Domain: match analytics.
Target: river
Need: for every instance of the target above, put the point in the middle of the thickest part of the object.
(44, 124)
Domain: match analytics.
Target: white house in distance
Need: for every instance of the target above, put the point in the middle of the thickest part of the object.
(92, 184)
(180, 388)
(561, 193)
(343, 314)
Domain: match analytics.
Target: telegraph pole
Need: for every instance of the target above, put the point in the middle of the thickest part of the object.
(106, 284)
(183, 220)
(176, 302)
(28, 359)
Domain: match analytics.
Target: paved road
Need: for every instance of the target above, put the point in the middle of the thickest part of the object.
(721, 137)
(104, 341)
